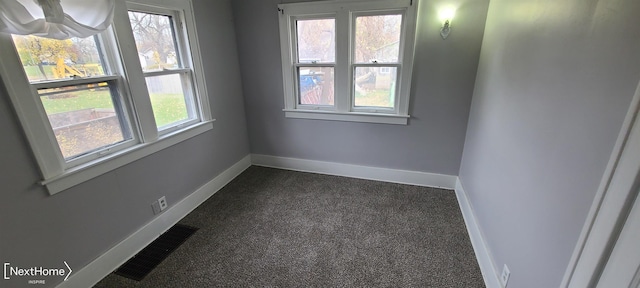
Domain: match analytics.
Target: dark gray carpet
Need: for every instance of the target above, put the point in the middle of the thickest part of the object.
(278, 228)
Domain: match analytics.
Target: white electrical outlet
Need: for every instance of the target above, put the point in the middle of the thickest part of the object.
(163, 203)
(159, 206)
(504, 277)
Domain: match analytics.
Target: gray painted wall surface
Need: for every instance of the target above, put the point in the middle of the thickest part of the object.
(554, 83)
(444, 76)
(83, 222)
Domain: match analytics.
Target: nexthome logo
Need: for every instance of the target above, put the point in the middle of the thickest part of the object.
(10, 271)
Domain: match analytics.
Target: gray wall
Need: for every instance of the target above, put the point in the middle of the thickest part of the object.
(444, 76)
(83, 222)
(554, 83)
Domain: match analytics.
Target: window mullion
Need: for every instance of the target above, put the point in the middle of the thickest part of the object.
(343, 62)
(133, 69)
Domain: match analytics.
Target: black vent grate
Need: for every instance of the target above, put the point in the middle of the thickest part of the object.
(142, 263)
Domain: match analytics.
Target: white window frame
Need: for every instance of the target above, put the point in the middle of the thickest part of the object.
(185, 72)
(345, 13)
(298, 64)
(119, 47)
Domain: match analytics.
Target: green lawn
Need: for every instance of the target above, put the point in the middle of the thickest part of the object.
(77, 101)
(33, 72)
(167, 108)
(374, 98)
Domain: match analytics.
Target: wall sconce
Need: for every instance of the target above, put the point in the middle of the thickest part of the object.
(446, 16)
(446, 28)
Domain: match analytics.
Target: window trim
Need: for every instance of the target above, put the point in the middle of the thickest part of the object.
(90, 170)
(185, 59)
(345, 13)
(297, 64)
(57, 174)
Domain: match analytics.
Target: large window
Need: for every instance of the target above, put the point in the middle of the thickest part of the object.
(91, 105)
(349, 61)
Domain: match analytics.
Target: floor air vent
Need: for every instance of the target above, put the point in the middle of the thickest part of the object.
(142, 263)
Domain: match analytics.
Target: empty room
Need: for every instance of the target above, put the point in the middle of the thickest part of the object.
(331, 143)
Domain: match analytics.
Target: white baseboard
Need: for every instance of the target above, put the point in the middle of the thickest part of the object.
(485, 260)
(116, 256)
(357, 171)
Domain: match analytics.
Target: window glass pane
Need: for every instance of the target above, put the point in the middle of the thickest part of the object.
(83, 118)
(316, 40)
(155, 41)
(378, 38)
(51, 59)
(168, 99)
(316, 85)
(375, 86)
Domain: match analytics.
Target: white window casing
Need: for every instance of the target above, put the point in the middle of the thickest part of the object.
(345, 14)
(126, 78)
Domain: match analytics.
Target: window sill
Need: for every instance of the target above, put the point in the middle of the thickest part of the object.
(350, 116)
(85, 172)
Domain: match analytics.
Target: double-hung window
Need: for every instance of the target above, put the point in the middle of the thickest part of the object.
(77, 85)
(90, 105)
(348, 61)
(166, 70)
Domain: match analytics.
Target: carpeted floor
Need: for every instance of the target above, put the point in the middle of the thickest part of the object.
(278, 228)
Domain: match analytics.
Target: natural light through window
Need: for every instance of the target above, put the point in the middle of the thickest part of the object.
(91, 104)
(317, 52)
(83, 118)
(82, 108)
(377, 41)
(50, 59)
(169, 85)
(348, 61)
